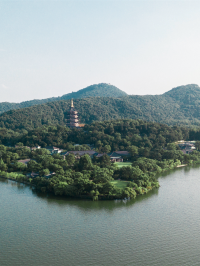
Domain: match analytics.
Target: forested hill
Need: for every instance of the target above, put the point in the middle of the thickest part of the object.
(179, 106)
(96, 90)
(189, 94)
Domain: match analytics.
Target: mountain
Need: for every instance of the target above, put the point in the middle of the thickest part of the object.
(96, 90)
(180, 106)
(187, 99)
(185, 94)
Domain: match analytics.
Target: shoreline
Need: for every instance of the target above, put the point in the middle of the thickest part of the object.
(12, 179)
(182, 165)
(100, 197)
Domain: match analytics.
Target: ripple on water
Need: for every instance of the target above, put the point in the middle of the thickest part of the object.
(160, 228)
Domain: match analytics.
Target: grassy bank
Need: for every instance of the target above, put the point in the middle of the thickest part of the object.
(119, 183)
(121, 164)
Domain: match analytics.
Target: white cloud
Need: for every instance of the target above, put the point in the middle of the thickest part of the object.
(2, 50)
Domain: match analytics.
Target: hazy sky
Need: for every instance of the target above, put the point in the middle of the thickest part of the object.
(50, 48)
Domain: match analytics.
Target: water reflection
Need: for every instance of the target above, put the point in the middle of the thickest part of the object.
(159, 228)
(88, 205)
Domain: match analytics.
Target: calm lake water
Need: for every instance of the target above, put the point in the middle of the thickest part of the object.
(160, 228)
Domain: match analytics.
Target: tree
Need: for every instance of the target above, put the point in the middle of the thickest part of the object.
(70, 158)
(3, 166)
(46, 161)
(129, 193)
(20, 144)
(197, 145)
(57, 168)
(60, 188)
(85, 163)
(133, 150)
(44, 172)
(172, 146)
(33, 166)
(42, 152)
(108, 189)
(18, 166)
(106, 149)
(82, 183)
(105, 161)
(128, 173)
(101, 175)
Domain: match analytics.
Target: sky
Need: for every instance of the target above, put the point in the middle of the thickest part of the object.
(51, 48)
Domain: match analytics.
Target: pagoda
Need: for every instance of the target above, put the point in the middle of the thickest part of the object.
(72, 117)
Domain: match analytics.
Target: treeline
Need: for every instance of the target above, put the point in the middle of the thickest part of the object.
(73, 178)
(92, 178)
(96, 90)
(180, 106)
(139, 137)
(151, 147)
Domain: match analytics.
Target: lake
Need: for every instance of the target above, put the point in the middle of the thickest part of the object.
(159, 228)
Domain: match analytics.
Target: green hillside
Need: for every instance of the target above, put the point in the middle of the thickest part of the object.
(188, 94)
(96, 90)
(179, 106)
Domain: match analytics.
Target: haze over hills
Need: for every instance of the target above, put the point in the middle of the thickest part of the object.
(179, 106)
(96, 90)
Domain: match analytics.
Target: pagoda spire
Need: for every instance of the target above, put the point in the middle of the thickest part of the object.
(72, 103)
(72, 116)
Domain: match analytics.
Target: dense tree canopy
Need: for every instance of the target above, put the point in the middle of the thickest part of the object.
(96, 90)
(151, 146)
(179, 106)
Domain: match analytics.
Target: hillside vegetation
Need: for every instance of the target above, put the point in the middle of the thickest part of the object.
(151, 151)
(96, 90)
(119, 134)
(179, 106)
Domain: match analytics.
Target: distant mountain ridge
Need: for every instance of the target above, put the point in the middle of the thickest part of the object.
(185, 94)
(96, 90)
(179, 106)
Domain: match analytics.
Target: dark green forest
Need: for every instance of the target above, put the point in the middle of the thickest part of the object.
(129, 123)
(106, 136)
(117, 134)
(180, 106)
(151, 146)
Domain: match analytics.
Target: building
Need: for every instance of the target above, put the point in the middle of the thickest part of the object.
(116, 159)
(78, 154)
(25, 161)
(35, 148)
(119, 156)
(187, 146)
(53, 150)
(32, 175)
(72, 117)
(116, 156)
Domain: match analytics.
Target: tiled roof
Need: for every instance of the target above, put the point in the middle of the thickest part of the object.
(90, 152)
(100, 154)
(52, 148)
(123, 153)
(117, 153)
(25, 161)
